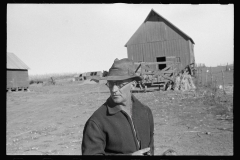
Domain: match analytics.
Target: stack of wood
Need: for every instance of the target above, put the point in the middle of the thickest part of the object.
(184, 82)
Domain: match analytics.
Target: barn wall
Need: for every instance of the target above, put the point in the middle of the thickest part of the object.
(154, 31)
(191, 50)
(156, 39)
(17, 78)
(148, 52)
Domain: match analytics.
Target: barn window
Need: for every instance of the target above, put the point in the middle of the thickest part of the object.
(161, 59)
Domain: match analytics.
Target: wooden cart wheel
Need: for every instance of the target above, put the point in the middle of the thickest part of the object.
(165, 86)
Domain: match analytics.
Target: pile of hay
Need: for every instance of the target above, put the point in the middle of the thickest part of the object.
(184, 82)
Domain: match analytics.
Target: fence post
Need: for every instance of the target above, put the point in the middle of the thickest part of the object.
(211, 79)
(206, 75)
(200, 74)
(211, 76)
(201, 77)
(197, 77)
(216, 82)
(223, 78)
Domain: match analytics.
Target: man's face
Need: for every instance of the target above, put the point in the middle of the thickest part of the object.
(120, 90)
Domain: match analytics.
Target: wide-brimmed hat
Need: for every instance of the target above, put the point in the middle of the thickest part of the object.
(122, 69)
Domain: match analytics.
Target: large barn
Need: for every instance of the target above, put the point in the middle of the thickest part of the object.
(17, 73)
(158, 40)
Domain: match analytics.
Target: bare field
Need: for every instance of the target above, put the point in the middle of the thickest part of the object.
(49, 120)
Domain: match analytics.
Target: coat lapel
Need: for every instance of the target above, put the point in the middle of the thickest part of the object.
(138, 117)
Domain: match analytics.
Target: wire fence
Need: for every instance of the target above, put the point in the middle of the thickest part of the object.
(214, 76)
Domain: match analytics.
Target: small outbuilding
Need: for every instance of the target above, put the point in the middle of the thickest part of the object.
(17, 73)
(158, 40)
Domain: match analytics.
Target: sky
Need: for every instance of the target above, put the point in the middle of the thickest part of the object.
(75, 38)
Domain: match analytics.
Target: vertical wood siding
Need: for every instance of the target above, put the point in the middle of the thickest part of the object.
(149, 51)
(157, 39)
(17, 78)
(192, 58)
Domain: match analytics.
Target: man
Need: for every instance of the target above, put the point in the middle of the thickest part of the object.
(122, 125)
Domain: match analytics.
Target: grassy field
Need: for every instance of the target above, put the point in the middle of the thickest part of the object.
(49, 119)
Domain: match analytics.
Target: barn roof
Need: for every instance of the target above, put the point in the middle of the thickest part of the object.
(13, 62)
(152, 12)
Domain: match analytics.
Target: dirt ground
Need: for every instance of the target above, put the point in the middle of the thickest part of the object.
(49, 120)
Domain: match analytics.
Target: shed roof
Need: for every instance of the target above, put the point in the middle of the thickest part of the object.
(152, 12)
(13, 62)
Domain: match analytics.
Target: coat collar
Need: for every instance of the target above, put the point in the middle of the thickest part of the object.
(114, 108)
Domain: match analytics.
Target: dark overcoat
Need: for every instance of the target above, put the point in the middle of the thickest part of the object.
(111, 131)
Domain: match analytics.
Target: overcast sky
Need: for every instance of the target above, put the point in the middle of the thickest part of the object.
(68, 38)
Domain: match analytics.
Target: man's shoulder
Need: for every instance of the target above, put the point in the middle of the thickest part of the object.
(99, 113)
(140, 104)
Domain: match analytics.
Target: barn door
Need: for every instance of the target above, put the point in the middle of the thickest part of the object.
(171, 59)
